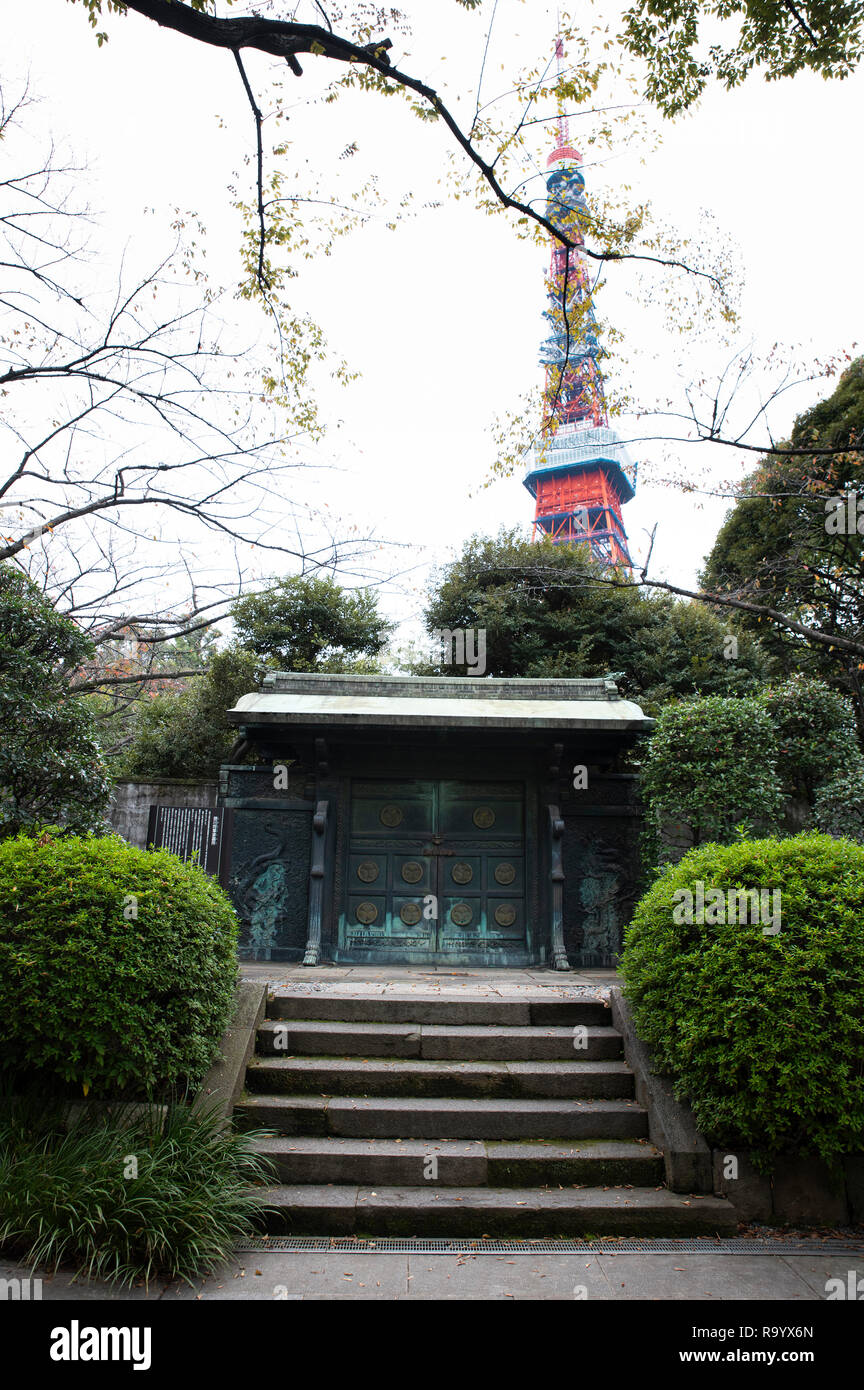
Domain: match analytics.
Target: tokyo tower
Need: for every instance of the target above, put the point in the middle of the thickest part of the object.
(581, 475)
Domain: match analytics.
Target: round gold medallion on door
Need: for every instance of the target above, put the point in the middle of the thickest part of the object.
(367, 872)
(505, 915)
(390, 816)
(366, 913)
(483, 817)
(504, 874)
(461, 915)
(412, 872)
(461, 873)
(410, 914)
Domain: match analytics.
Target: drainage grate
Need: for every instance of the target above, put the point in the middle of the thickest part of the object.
(626, 1245)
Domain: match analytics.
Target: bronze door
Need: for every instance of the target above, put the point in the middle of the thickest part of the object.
(435, 869)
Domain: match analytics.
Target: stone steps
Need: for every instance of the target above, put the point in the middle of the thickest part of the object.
(420, 1009)
(459, 1163)
(425, 1117)
(422, 1115)
(493, 1043)
(519, 1213)
(387, 1077)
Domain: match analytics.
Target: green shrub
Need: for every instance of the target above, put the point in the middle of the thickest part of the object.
(839, 808)
(117, 966)
(51, 768)
(762, 1033)
(187, 733)
(73, 1196)
(711, 762)
(816, 733)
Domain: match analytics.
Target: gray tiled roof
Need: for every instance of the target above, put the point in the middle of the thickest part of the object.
(439, 701)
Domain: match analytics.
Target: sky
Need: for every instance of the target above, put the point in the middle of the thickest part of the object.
(442, 317)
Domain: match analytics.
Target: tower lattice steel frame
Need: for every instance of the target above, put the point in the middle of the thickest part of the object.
(582, 474)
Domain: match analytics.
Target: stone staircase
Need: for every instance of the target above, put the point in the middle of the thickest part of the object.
(431, 1116)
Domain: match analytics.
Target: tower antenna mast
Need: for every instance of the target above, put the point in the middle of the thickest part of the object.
(563, 122)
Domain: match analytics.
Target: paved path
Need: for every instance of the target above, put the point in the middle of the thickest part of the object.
(337, 1275)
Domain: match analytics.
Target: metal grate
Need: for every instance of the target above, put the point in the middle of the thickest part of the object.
(626, 1245)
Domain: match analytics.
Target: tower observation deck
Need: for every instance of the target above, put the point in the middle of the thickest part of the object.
(581, 473)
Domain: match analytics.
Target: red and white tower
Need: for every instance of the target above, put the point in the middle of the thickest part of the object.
(581, 474)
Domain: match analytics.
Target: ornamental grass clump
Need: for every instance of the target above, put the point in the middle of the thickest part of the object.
(759, 1022)
(125, 1194)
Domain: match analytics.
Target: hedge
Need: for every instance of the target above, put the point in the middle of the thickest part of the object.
(762, 1031)
(712, 762)
(117, 966)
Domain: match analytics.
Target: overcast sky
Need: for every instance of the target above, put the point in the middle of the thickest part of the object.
(443, 316)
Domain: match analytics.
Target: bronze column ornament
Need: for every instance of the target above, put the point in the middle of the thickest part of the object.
(556, 830)
(316, 884)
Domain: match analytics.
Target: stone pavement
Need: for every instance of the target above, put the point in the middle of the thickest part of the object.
(431, 980)
(416, 1277)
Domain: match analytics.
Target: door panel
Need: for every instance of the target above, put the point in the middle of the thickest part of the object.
(392, 812)
(481, 811)
(413, 873)
(435, 870)
(506, 875)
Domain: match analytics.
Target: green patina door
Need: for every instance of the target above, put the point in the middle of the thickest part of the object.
(436, 869)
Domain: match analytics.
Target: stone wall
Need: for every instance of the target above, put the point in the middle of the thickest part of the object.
(131, 801)
(798, 1192)
(676, 837)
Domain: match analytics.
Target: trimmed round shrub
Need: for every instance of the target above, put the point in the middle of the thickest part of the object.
(759, 1024)
(117, 966)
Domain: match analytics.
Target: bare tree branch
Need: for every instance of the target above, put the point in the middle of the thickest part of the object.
(285, 39)
(256, 112)
(801, 22)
